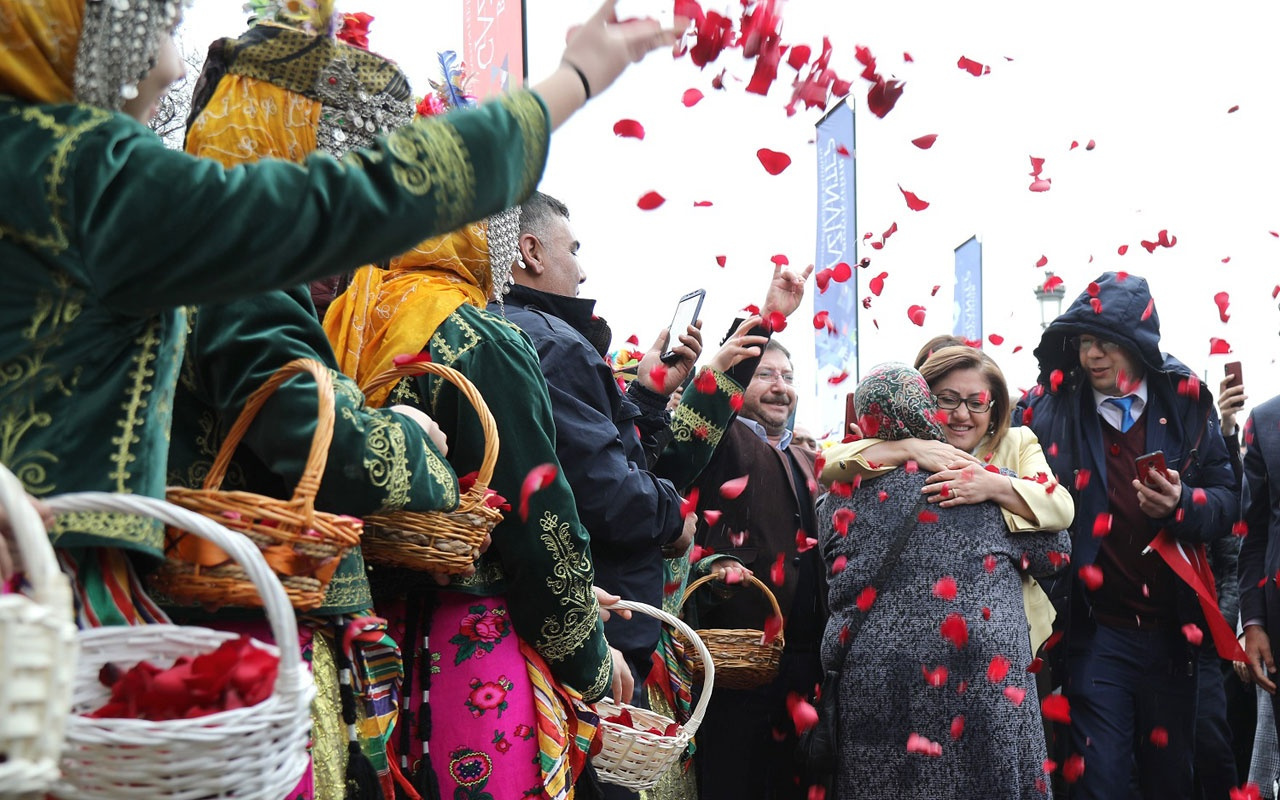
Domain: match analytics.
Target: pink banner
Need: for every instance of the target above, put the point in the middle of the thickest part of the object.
(493, 49)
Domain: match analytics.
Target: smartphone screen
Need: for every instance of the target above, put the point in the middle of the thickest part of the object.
(686, 313)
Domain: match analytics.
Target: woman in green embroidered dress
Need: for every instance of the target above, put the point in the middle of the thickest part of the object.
(106, 235)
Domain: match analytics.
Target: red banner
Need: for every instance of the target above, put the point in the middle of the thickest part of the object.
(493, 49)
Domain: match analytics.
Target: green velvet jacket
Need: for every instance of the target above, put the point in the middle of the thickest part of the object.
(378, 460)
(105, 235)
(542, 565)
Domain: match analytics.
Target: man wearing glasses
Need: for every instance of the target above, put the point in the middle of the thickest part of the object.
(1137, 606)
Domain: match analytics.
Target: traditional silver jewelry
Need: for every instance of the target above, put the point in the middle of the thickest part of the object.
(119, 41)
(350, 117)
(504, 248)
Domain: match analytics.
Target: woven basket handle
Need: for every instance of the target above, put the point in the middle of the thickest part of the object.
(309, 483)
(751, 580)
(274, 601)
(468, 389)
(709, 667)
(49, 587)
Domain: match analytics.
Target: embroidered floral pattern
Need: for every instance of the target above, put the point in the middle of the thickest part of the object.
(470, 769)
(488, 696)
(571, 582)
(479, 632)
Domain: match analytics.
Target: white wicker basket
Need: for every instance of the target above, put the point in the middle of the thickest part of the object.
(255, 753)
(37, 656)
(637, 759)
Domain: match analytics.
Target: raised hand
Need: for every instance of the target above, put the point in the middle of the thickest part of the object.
(786, 290)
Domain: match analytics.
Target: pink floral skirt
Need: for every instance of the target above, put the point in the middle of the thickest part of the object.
(484, 720)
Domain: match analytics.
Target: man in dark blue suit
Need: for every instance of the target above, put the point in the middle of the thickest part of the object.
(1260, 555)
(1139, 597)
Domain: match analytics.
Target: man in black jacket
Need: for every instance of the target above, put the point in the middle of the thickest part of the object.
(605, 438)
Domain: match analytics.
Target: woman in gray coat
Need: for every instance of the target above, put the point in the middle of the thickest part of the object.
(935, 695)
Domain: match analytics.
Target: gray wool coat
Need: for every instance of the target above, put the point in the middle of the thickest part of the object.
(985, 718)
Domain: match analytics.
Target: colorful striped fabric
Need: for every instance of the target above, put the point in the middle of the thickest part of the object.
(567, 728)
(106, 589)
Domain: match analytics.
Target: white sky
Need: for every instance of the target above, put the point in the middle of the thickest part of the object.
(1149, 82)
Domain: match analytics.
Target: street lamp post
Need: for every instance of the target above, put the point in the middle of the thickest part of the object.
(1049, 295)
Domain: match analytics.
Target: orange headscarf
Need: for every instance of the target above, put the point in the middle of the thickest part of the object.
(38, 55)
(386, 313)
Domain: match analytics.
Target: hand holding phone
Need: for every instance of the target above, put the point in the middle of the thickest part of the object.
(686, 314)
(1149, 464)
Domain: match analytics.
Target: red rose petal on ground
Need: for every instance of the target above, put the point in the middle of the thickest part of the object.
(1218, 346)
(732, 488)
(926, 141)
(1160, 737)
(955, 630)
(997, 669)
(916, 315)
(691, 97)
(865, 599)
(1091, 577)
(628, 128)
(650, 201)
(539, 478)
(945, 588)
(972, 67)
(1056, 708)
(773, 161)
(914, 203)
(1015, 694)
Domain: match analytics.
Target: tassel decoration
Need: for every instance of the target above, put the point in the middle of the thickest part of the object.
(361, 778)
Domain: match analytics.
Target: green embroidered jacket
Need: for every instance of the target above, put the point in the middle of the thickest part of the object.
(105, 235)
(542, 565)
(378, 461)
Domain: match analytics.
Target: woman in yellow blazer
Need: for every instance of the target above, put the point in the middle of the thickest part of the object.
(973, 399)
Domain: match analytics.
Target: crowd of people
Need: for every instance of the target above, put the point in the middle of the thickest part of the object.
(1018, 598)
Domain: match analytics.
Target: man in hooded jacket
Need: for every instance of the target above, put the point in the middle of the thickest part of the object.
(1138, 600)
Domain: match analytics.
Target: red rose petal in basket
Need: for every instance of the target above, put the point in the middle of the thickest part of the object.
(539, 478)
(913, 202)
(773, 161)
(628, 128)
(926, 141)
(411, 358)
(649, 201)
(732, 488)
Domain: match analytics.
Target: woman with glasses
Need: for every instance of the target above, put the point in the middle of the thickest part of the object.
(974, 409)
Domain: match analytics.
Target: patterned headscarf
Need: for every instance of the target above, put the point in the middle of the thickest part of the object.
(894, 402)
(86, 51)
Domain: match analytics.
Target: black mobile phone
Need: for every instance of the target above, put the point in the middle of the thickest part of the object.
(1150, 463)
(686, 314)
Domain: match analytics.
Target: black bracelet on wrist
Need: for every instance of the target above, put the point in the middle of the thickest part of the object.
(582, 76)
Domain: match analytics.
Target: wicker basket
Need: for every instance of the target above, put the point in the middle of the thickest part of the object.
(445, 542)
(37, 656)
(254, 753)
(638, 759)
(743, 660)
(301, 544)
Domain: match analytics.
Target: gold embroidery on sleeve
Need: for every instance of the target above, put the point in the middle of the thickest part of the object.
(688, 425)
(532, 121)
(135, 403)
(570, 582)
(431, 158)
(726, 384)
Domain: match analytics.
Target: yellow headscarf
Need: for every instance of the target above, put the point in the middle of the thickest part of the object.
(386, 313)
(38, 44)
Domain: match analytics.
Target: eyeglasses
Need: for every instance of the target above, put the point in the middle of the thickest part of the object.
(950, 402)
(769, 376)
(1084, 344)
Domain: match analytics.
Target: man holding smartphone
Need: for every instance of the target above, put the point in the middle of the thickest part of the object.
(1138, 604)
